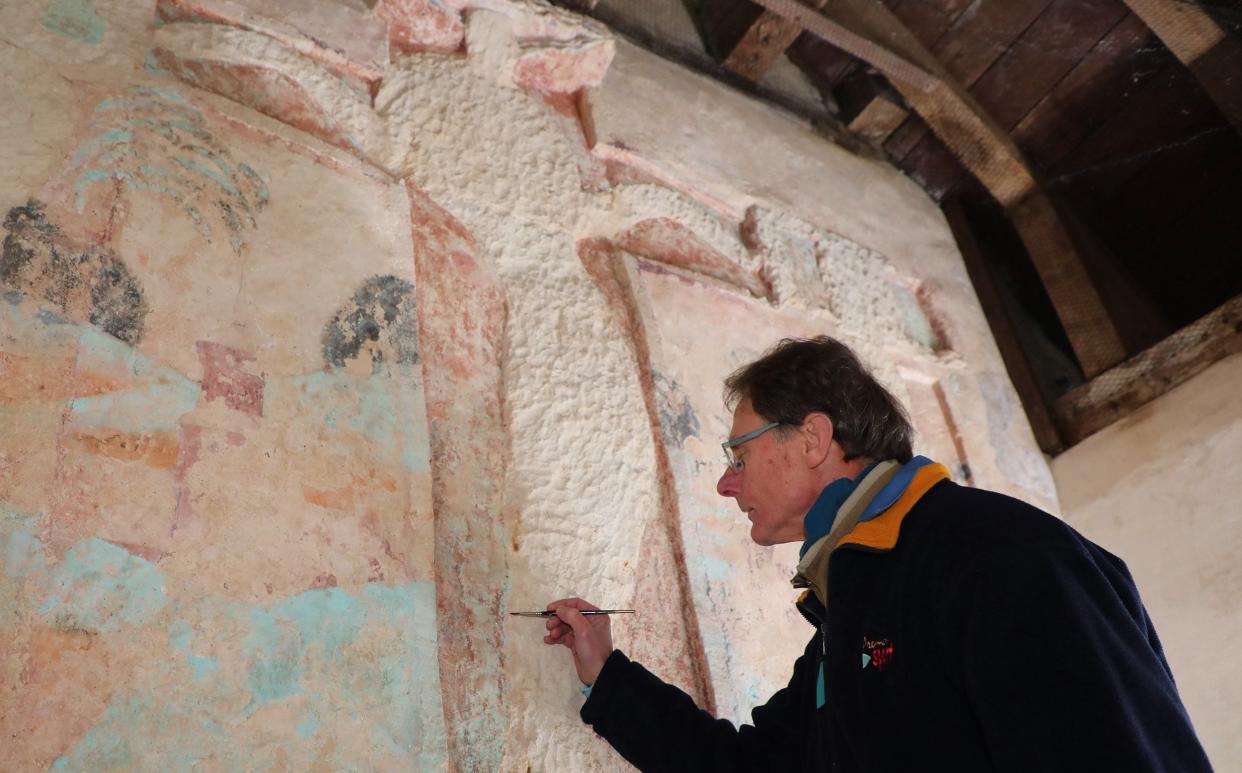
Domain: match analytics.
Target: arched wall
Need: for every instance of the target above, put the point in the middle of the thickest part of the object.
(330, 333)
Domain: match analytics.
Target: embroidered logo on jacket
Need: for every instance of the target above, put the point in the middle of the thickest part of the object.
(877, 653)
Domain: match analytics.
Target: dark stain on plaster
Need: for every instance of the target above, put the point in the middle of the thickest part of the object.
(87, 284)
(117, 305)
(678, 420)
(379, 321)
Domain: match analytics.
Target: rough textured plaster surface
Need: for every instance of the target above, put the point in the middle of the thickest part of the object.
(306, 560)
(1158, 489)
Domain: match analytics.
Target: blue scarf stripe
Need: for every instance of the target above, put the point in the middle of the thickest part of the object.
(819, 519)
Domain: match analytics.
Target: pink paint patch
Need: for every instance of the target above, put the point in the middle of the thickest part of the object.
(154, 555)
(346, 40)
(191, 443)
(421, 25)
(563, 69)
(224, 378)
(666, 241)
(261, 87)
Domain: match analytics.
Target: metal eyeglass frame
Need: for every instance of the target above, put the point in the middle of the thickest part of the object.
(734, 442)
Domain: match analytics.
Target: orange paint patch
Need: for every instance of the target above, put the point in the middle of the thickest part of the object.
(157, 449)
(89, 383)
(49, 645)
(346, 497)
(24, 378)
(334, 499)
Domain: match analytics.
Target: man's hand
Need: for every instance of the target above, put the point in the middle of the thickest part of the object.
(589, 638)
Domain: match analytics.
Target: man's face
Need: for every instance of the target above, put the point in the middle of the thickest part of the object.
(773, 487)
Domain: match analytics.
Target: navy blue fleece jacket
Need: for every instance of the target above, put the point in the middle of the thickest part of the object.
(966, 632)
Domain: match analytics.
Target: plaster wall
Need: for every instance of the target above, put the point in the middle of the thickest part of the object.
(1157, 489)
(329, 334)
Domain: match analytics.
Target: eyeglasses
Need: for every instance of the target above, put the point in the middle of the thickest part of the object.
(734, 463)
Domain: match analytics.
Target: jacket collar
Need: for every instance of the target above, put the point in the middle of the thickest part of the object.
(825, 515)
(870, 517)
(879, 527)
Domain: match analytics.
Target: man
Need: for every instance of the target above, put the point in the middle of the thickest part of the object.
(955, 629)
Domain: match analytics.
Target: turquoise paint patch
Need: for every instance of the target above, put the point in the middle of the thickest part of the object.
(366, 659)
(275, 667)
(327, 615)
(150, 63)
(161, 99)
(914, 321)
(76, 20)
(20, 548)
(148, 408)
(23, 554)
(202, 665)
(391, 412)
(89, 176)
(141, 731)
(309, 726)
(180, 636)
(317, 622)
(37, 329)
(256, 182)
(160, 123)
(716, 569)
(102, 353)
(407, 683)
(99, 142)
(211, 174)
(101, 587)
(386, 408)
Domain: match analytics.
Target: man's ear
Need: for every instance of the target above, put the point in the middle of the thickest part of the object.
(816, 431)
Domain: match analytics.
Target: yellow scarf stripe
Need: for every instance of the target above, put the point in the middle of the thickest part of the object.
(881, 532)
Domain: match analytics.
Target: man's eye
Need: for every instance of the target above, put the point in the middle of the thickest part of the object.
(741, 464)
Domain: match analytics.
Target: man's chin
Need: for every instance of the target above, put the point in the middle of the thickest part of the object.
(759, 538)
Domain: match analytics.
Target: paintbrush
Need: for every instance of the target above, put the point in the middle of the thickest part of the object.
(550, 613)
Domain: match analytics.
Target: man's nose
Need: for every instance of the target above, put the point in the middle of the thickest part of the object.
(728, 485)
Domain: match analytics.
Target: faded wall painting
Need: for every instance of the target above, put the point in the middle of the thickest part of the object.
(215, 484)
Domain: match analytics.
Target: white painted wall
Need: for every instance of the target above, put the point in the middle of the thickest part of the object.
(1157, 489)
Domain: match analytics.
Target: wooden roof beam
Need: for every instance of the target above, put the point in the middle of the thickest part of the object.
(1209, 52)
(869, 107)
(744, 43)
(870, 31)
